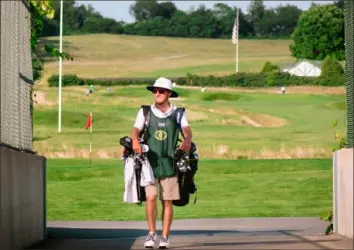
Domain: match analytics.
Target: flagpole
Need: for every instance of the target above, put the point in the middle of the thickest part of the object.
(60, 64)
(90, 136)
(237, 41)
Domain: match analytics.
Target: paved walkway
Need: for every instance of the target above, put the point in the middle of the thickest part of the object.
(243, 233)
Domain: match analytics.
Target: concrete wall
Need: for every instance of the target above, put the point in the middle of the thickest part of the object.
(343, 192)
(22, 199)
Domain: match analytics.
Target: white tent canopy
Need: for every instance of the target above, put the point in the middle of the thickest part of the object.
(304, 68)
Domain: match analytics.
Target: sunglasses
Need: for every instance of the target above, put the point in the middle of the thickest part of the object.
(160, 91)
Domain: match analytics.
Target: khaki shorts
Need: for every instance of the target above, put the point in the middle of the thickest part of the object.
(168, 187)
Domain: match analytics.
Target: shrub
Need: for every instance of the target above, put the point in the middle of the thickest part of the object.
(73, 80)
(221, 96)
(331, 67)
(250, 80)
(268, 67)
(120, 81)
(332, 73)
(67, 80)
(331, 81)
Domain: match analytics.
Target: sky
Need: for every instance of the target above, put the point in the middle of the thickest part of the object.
(119, 10)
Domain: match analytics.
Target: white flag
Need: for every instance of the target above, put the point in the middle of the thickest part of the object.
(235, 32)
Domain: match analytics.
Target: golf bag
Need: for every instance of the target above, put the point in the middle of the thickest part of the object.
(187, 166)
(126, 142)
(186, 163)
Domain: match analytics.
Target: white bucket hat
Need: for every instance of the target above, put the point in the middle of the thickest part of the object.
(163, 83)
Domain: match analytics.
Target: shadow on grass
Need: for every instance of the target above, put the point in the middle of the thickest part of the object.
(81, 238)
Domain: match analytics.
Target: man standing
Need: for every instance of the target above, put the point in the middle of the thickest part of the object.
(162, 139)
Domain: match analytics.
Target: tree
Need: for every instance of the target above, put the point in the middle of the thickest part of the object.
(179, 24)
(268, 25)
(148, 10)
(256, 11)
(202, 23)
(331, 68)
(222, 10)
(286, 18)
(280, 21)
(268, 67)
(143, 10)
(75, 17)
(166, 10)
(339, 4)
(332, 73)
(41, 10)
(320, 32)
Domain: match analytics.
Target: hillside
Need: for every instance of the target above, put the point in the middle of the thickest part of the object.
(104, 55)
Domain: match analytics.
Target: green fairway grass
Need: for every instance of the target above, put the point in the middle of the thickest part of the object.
(230, 124)
(262, 153)
(226, 188)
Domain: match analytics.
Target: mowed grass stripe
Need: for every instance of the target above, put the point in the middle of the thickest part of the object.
(226, 188)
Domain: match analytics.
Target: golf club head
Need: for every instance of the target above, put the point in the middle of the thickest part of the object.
(144, 148)
(127, 142)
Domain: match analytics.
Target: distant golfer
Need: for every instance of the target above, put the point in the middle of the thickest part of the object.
(91, 89)
(283, 90)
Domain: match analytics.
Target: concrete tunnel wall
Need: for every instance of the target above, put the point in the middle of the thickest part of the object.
(22, 199)
(343, 192)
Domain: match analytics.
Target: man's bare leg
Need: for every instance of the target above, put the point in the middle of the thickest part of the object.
(167, 215)
(151, 212)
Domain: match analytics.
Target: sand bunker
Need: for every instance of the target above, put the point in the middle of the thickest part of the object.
(262, 120)
(40, 98)
(249, 121)
(255, 120)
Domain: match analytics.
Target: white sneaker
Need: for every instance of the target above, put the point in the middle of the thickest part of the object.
(164, 243)
(151, 240)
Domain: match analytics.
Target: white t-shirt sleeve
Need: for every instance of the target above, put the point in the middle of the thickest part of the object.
(184, 121)
(139, 121)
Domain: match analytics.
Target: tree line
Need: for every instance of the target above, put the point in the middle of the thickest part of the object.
(155, 18)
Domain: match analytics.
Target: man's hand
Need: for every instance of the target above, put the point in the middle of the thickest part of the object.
(137, 146)
(135, 139)
(186, 145)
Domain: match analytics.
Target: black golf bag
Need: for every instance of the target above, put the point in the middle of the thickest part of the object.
(187, 166)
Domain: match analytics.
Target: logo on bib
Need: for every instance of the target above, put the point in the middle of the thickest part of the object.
(160, 135)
